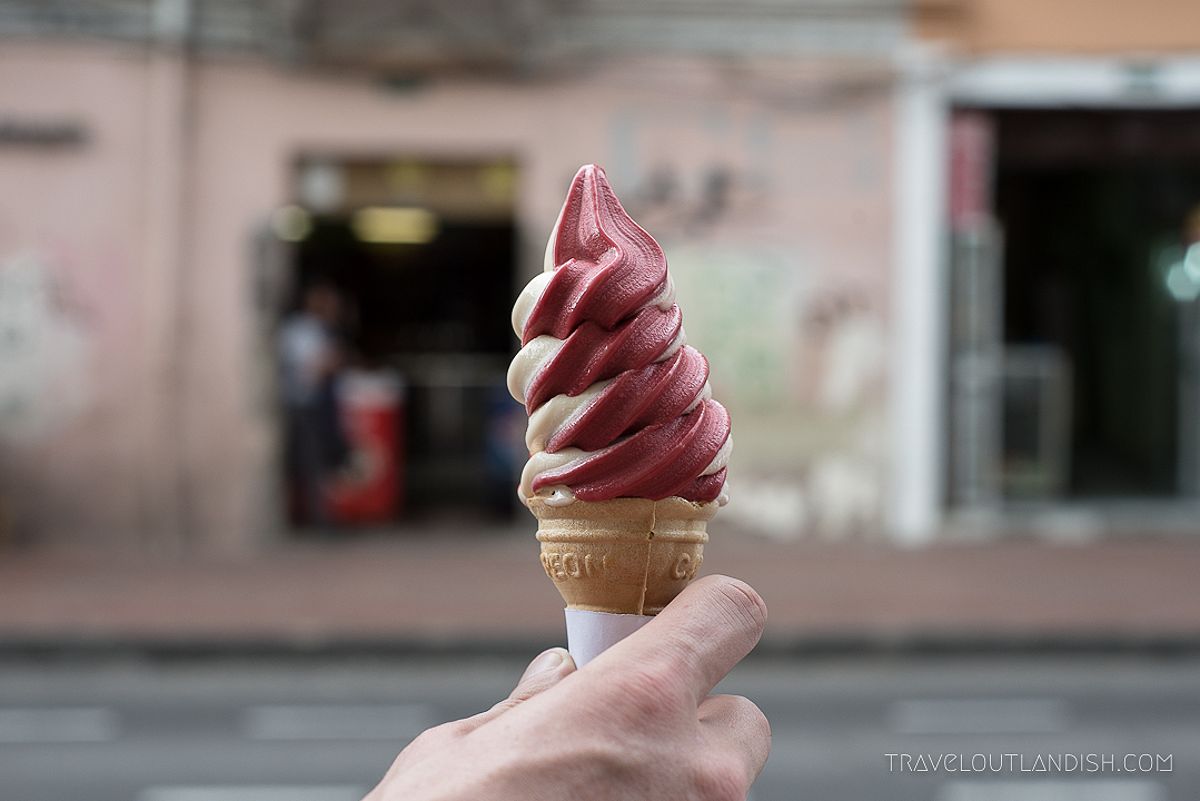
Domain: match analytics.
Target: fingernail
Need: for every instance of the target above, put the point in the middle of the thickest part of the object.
(544, 662)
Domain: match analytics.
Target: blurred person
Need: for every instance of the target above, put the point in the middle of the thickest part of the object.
(638, 722)
(311, 360)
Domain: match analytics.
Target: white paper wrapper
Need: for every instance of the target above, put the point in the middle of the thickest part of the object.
(590, 633)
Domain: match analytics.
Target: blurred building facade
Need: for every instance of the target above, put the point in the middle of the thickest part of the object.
(828, 179)
(1071, 149)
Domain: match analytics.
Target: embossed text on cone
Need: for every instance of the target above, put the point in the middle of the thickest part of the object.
(624, 556)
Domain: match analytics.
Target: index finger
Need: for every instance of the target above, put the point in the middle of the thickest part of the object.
(699, 636)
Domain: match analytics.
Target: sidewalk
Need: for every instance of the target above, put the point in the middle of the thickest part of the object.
(441, 591)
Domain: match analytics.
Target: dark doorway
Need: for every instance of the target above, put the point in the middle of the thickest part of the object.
(1094, 208)
(424, 254)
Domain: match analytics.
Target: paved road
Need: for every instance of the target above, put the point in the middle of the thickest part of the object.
(324, 730)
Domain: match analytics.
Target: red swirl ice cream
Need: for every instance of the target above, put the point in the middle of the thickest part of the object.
(619, 405)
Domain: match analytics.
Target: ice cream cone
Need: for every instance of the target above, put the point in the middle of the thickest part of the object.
(624, 556)
(620, 412)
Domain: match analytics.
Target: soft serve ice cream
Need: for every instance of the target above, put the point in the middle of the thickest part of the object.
(619, 405)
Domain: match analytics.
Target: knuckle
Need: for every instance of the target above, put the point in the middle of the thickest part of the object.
(744, 603)
(455, 729)
(720, 778)
(606, 760)
(440, 734)
(653, 690)
(607, 755)
(759, 722)
(424, 741)
(508, 703)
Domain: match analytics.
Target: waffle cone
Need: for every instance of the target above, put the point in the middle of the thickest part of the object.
(625, 556)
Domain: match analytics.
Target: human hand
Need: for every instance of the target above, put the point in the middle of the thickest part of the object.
(636, 723)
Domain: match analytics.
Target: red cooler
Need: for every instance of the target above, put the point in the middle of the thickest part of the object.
(368, 489)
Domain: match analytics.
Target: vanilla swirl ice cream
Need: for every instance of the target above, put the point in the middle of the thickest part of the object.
(619, 405)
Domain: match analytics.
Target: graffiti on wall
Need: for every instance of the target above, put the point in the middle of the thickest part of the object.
(800, 365)
(773, 227)
(43, 352)
(843, 344)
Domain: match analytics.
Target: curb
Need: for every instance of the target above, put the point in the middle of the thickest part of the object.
(914, 645)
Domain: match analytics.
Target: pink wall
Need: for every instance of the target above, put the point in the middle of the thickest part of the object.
(807, 222)
(77, 212)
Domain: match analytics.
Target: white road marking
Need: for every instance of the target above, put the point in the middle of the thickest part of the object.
(337, 722)
(261, 792)
(968, 716)
(59, 725)
(1065, 790)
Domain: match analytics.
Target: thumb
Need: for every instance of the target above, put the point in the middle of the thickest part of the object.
(547, 669)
